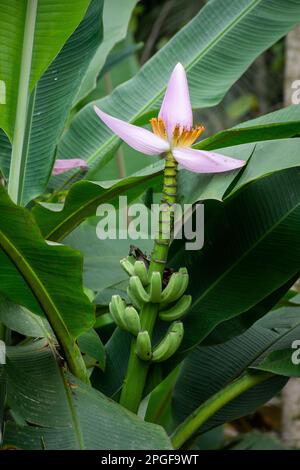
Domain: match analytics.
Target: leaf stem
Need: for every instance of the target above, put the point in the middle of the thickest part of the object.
(22, 103)
(137, 370)
(193, 422)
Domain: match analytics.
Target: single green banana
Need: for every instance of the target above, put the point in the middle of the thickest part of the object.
(137, 304)
(155, 287)
(178, 310)
(128, 266)
(143, 346)
(140, 270)
(185, 281)
(132, 320)
(117, 311)
(138, 290)
(173, 289)
(169, 344)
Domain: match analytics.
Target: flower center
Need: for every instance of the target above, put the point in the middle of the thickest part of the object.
(182, 137)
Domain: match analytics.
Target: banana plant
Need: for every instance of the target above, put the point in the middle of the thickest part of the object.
(117, 344)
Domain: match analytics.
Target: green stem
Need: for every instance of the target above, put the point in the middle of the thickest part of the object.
(137, 370)
(193, 422)
(15, 175)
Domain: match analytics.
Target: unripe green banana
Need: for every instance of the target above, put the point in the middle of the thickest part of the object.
(185, 281)
(140, 270)
(155, 287)
(169, 344)
(132, 320)
(143, 346)
(127, 265)
(137, 304)
(174, 288)
(138, 290)
(178, 310)
(117, 311)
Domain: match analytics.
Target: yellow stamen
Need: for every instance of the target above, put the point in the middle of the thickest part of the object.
(154, 125)
(182, 137)
(162, 128)
(176, 136)
(189, 136)
(158, 127)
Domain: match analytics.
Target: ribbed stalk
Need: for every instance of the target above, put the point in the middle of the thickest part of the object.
(137, 370)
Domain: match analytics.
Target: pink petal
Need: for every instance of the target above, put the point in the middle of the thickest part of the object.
(61, 166)
(201, 161)
(176, 108)
(138, 138)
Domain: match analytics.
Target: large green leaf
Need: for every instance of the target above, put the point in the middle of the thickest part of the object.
(285, 321)
(251, 249)
(270, 157)
(54, 96)
(46, 279)
(85, 196)
(55, 22)
(276, 125)
(23, 321)
(263, 158)
(26, 323)
(116, 16)
(216, 47)
(208, 369)
(62, 413)
(237, 325)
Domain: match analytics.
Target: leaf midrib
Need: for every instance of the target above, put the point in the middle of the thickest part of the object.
(73, 411)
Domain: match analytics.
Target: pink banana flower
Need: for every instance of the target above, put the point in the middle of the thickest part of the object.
(172, 131)
(61, 166)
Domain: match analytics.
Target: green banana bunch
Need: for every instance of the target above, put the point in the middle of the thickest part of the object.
(169, 344)
(143, 346)
(128, 266)
(126, 318)
(155, 287)
(178, 310)
(140, 270)
(176, 287)
(137, 289)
